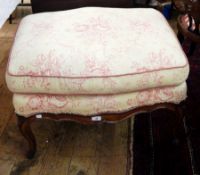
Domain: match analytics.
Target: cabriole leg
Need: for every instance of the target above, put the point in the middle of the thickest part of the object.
(25, 129)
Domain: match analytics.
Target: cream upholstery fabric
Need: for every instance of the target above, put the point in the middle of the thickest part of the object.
(27, 105)
(108, 85)
(94, 60)
(95, 51)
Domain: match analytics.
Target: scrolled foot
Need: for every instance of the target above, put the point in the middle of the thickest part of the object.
(25, 129)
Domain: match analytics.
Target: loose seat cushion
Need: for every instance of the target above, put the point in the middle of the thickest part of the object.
(30, 104)
(95, 51)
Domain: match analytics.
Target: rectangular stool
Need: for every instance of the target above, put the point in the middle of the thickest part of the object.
(94, 65)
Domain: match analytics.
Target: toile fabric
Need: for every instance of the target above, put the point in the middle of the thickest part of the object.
(98, 60)
(31, 104)
(96, 51)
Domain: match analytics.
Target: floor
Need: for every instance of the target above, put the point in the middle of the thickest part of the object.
(63, 148)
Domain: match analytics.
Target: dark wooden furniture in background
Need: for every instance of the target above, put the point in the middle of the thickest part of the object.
(55, 5)
(191, 31)
(21, 4)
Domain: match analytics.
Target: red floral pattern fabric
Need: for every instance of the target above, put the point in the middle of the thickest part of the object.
(95, 51)
(28, 105)
(92, 60)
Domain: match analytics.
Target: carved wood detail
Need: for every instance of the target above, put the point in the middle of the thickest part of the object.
(24, 123)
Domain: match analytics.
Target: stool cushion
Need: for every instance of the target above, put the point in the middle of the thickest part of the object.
(27, 105)
(95, 51)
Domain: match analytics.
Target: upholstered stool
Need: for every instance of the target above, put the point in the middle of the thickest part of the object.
(94, 65)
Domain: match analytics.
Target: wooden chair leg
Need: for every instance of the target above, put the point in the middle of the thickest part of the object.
(10, 19)
(25, 129)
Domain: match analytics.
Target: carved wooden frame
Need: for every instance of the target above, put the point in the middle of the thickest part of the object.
(24, 123)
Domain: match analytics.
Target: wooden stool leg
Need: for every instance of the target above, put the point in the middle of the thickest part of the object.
(10, 19)
(25, 129)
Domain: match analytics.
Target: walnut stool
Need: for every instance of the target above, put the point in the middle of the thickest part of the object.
(94, 65)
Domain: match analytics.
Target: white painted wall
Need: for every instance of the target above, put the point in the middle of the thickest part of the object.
(6, 8)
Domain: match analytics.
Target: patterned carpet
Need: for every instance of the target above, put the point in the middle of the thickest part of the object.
(155, 149)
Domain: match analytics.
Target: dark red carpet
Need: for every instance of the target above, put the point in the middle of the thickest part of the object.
(157, 151)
